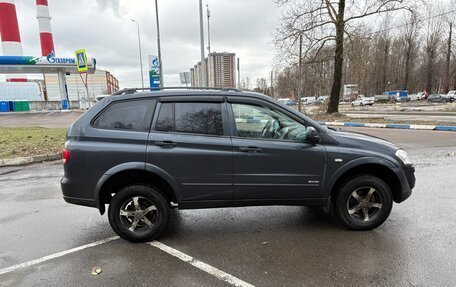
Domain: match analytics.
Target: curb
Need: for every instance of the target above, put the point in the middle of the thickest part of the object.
(29, 160)
(391, 126)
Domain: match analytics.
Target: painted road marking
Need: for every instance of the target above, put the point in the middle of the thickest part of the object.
(219, 274)
(56, 255)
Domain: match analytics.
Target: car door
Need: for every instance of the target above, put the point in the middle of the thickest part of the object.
(190, 141)
(271, 159)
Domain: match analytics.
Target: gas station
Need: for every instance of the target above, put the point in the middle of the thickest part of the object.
(45, 65)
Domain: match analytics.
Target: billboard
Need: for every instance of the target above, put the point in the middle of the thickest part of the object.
(154, 71)
(185, 78)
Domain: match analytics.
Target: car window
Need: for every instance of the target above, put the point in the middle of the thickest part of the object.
(264, 123)
(135, 115)
(191, 117)
(165, 121)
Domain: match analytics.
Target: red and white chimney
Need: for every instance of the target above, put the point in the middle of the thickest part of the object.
(11, 39)
(44, 22)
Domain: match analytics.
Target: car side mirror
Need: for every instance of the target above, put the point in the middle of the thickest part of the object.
(312, 136)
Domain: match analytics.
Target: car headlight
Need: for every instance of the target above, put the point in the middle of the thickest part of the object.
(402, 155)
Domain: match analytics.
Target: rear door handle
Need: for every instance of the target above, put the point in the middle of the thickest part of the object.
(166, 144)
(250, 149)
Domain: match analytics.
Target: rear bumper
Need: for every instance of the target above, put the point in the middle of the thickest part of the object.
(72, 193)
(80, 201)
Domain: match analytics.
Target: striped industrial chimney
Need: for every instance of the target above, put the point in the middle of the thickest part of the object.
(11, 39)
(44, 21)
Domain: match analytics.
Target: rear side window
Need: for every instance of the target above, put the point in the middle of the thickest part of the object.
(134, 115)
(165, 122)
(189, 117)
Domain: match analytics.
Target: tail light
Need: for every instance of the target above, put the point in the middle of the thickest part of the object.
(66, 154)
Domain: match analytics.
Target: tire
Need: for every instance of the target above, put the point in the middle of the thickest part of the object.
(143, 205)
(351, 212)
(444, 101)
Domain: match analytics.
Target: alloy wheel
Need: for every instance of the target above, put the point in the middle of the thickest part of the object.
(138, 214)
(364, 204)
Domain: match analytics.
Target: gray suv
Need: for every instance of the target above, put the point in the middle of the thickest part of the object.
(143, 153)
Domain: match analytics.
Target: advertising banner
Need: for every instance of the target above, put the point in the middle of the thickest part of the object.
(154, 71)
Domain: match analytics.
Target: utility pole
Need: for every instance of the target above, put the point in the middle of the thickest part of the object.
(300, 73)
(239, 73)
(208, 30)
(203, 60)
(158, 45)
(140, 53)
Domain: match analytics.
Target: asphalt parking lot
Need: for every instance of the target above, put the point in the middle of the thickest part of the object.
(46, 242)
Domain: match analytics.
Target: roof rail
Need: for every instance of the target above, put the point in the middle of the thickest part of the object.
(134, 90)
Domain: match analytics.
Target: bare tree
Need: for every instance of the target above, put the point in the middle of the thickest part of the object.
(262, 85)
(324, 22)
(432, 41)
(409, 36)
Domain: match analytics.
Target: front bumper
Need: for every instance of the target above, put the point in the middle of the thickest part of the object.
(409, 171)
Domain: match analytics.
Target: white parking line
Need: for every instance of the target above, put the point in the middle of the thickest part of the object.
(56, 255)
(219, 274)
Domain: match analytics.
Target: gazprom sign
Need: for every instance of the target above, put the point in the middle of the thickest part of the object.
(154, 71)
(47, 64)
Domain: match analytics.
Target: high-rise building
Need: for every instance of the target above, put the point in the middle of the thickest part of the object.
(220, 71)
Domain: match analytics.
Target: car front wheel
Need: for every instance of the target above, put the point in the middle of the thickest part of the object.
(139, 213)
(363, 203)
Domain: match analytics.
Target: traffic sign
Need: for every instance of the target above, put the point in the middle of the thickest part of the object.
(81, 61)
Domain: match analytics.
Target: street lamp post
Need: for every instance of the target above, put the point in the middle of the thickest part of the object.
(140, 53)
(203, 60)
(158, 44)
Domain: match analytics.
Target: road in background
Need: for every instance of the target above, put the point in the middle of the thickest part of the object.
(264, 246)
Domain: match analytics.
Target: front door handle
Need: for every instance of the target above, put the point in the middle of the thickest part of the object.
(250, 149)
(166, 144)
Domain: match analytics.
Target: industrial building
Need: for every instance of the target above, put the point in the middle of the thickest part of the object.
(99, 83)
(220, 71)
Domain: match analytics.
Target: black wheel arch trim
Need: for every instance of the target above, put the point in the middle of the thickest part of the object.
(330, 184)
(133, 166)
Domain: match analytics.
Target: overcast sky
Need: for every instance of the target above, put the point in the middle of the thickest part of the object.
(104, 29)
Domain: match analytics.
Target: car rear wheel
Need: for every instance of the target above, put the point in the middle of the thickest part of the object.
(444, 101)
(363, 203)
(139, 213)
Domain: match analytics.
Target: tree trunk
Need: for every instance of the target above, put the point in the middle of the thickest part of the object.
(446, 84)
(408, 58)
(385, 81)
(333, 106)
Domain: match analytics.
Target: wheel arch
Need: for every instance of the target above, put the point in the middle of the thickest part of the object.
(382, 169)
(131, 173)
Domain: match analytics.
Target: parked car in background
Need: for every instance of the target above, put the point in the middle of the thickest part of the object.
(439, 98)
(403, 99)
(321, 100)
(284, 100)
(363, 101)
(291, 103)
(452, 95)
(421, 96)
(384, 98)
(308, 100)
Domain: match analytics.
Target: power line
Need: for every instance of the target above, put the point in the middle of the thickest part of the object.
(410, 23)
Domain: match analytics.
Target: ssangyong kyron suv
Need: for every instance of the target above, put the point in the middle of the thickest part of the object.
(143, 153)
